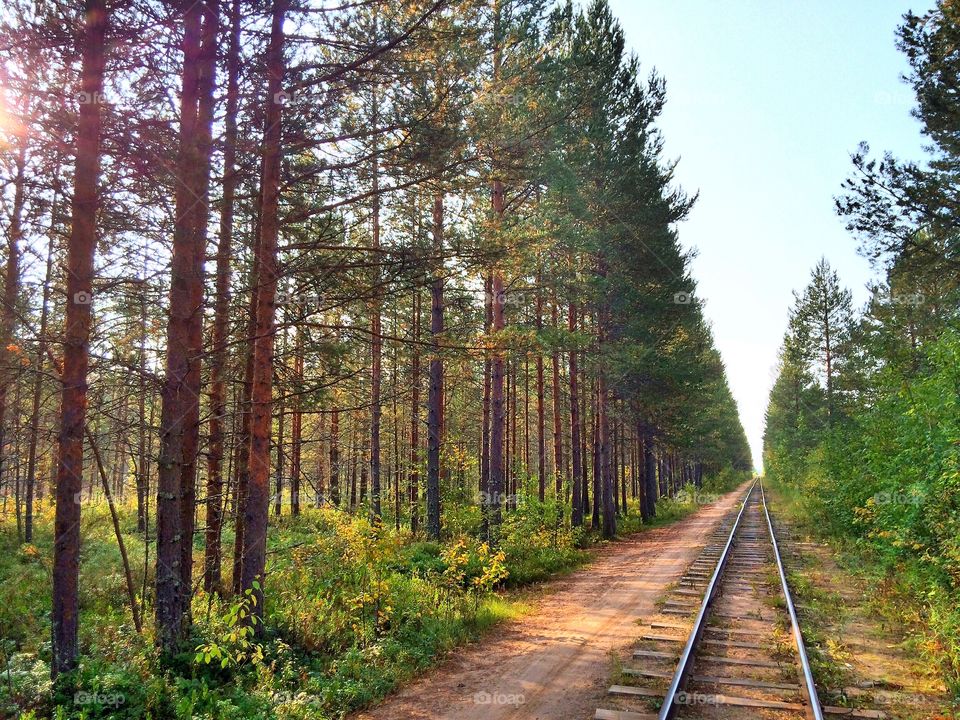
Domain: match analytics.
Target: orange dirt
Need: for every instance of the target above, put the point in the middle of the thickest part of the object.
(555, 662)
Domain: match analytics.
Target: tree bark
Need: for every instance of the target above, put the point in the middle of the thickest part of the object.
(498, 297)
(258, 491)
(597, 461)
(557, 419)
(11, 295)
(485, 428)
(335, 457)
(608, 489)
(376, 344)
(80, 256)
(221, 315)
(414, 475)
(435, 399)
(320, 495)
(180, 413)
(541, 425)
(145, 434)
(281, 426)
(649, 476)
(577, 479)
(296, 424)
(38, 382)
(243, 441)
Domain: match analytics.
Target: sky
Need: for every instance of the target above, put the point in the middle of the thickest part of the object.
(766, 100)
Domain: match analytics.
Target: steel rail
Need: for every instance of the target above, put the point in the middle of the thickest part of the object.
(810, 686)
(685, 664)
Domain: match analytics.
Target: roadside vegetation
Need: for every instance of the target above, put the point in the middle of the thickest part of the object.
(863, 423)
(354, 612)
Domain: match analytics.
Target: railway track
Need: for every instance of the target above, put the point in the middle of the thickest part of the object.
(727, 643)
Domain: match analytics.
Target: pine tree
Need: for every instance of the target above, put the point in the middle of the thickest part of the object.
(820, 323)
(80, 256)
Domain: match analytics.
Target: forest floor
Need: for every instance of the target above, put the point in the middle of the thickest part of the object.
(555, 661)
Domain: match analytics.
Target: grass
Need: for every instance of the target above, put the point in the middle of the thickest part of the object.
(353, 612)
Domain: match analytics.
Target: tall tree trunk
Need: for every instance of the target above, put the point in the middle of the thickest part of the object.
(414, 476)
(597, 461)
(435, 399)
(498, 299)
(608, 488)
(279, 466)
(541, 426)
(281, 426)
(622, 464)
(577, 479)
(11, 294)
(376, 344)
(180, 414)
(80, 256)
(649, 475)
(352, 453)
(613, 442)
(320, 495)
(296, 424)
(199, 215)
(145, 432)
(364, 474)
(526, 413)
(335, 457)
(258, 491)
(243, 440)
(557, 419)
(512, 446)
(38, 380)
(585, 407)
(221, 315)
(485, 428)
(396, 462)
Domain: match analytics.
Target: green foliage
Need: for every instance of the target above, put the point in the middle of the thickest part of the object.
(536, 545)
(233, 644)
(885, 477)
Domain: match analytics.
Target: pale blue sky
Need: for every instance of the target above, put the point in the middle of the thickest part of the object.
(766, 99)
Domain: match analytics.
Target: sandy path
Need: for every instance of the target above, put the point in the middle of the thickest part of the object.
(555, 661)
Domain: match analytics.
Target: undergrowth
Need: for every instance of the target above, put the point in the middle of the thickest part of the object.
(352, 612)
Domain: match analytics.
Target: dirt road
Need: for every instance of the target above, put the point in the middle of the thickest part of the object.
(555, 662)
